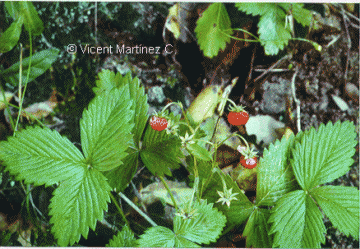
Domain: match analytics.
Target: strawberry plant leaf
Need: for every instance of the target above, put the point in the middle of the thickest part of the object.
(273, 35)
(77, 204)
(275, 177)
(341, 205)
(301, 15)
(126, 171)
(160, 152)
(199, 152)
(324, 155)
(125, 238)
(163, 237)
(106, 129)
(108, 80)
(297, 222)
(257, 229)
(211, 29)
(40, 62)
(11, 36)
(203, 227)
(41, 156)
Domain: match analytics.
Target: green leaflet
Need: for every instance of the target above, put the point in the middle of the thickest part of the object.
(40, 62)
(105, 129)
(324, 155)
(125, 238)
(11, 36)
(275, 176)
(211, 29)
(41, 156)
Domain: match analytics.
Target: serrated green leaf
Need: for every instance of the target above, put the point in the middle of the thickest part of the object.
(275, 176)
(32, 21)
(106, 129)
(77, 204)
(199, 152)
(254, 8)
(157, 237)
(211, 29)
(257, 229)
(204, 227)
(160, 152)
(40, 62)
(41, 156)
(273, 35)
(324, 155)
(108, 80)
(341, 205)
(120, 177)
(11, 36)
(125, 238)
(301, 15)
(297, 222)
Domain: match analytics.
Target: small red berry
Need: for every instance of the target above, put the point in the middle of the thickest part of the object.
(238, 118)
(249, 163)
(158, 123)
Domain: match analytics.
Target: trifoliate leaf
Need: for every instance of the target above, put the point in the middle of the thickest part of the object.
(160, 152)
(41, 156)
(213, 29)
(204, 226)
(163, 237)
(341, 205)
(257, 229)
(199, 152)
(77, 204)
(275, 176)
(297, 222)
(106, 129)
(324, 155)
(125, 238)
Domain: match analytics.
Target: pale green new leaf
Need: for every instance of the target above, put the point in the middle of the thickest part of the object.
(213, 29)
(324, 155)
(106, 129)
(41, 156)
(257, 229)
(297, 222)
(162, 237)
(125, 238)
(77, 204)
(275, 176)
(341, 205)
(204, 226)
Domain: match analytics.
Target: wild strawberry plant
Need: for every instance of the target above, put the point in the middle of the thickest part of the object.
(117, 135)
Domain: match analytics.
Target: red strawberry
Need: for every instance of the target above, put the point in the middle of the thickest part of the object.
(238, 116)
(249, 163)
(158, 123)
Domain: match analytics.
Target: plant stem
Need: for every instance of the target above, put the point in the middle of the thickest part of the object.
(169, 191)
(119, 209)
